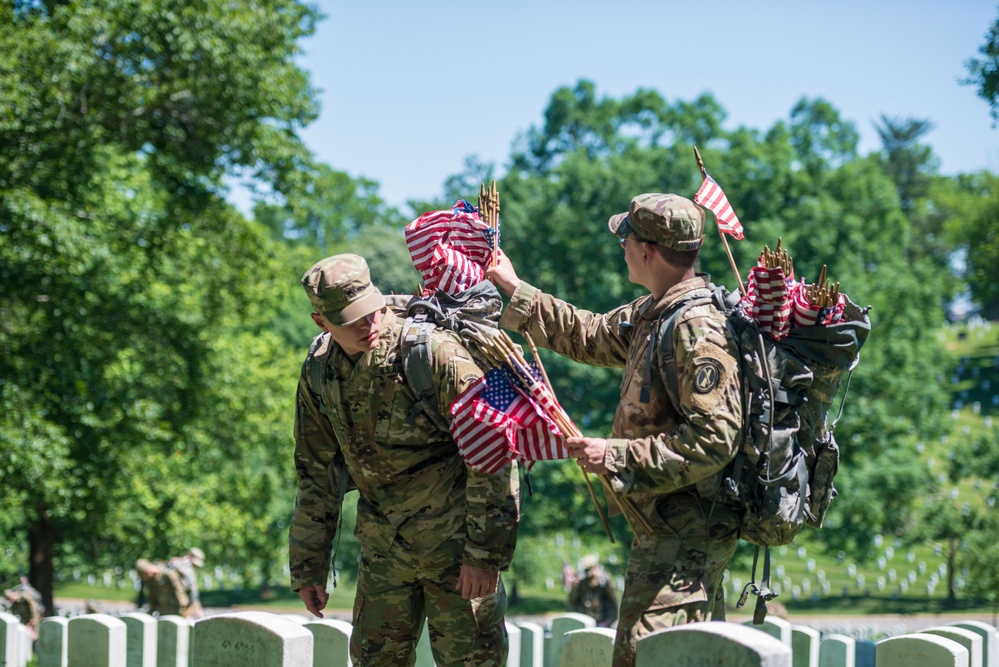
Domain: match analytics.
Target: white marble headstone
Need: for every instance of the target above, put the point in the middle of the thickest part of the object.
(593, 647)
(711, 644)
(97, 640)
(251, 639)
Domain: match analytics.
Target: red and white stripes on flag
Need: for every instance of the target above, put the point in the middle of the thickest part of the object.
(711, 197)
(450, 248)
(494, 423)
(807, 314)
(769, 295)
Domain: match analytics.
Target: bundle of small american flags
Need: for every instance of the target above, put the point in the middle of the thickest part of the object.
(498, 420)
(506, 415)
(450, 248)
(776, 301)
(769, 299)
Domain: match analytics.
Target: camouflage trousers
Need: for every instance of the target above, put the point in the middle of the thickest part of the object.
(397, 590)
(675, 575)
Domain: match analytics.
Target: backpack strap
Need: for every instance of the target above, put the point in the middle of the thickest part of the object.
(663, 330)
(417, 359)
(314, 369)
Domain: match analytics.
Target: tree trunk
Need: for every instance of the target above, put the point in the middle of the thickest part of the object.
(41, 545)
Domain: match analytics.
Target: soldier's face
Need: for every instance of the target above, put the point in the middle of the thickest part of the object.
(359, 336)
(632, 257)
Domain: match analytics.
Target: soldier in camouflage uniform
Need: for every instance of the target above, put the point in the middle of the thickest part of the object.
(668, 461)
(594, 594)
(26, 603)
(434, 534)
(163, 591)
(185, 566)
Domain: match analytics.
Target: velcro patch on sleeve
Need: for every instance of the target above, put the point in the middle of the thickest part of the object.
(706, 376)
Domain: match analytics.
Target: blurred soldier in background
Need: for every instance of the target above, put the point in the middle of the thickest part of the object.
(594, 594)
(26, 603)
(186, 565)
(163, 591)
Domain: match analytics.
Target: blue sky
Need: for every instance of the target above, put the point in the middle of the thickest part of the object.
(402, 101)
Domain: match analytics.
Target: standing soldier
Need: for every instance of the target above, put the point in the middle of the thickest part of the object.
(668, 459)
(594, 594)
(434, 534)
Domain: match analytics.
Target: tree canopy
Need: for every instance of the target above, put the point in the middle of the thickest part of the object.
(141, 387)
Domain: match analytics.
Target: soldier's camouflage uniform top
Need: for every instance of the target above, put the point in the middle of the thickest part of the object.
(166, 593)
(595, 596)
(421, 512)
(668, 462)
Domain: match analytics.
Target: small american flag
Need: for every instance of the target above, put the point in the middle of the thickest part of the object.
(450, 248)
(495, 423)
(713, 198)
(770, 297)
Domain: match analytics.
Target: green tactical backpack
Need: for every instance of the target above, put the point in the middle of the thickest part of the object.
(782, 475)
(473, 314)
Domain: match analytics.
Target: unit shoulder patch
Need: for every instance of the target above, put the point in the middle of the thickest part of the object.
(707, 374)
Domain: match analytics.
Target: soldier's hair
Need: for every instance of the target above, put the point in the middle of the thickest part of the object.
(682, 258)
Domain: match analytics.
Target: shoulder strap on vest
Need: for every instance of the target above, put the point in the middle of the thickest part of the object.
(314, 368)
(417, 361)
(663, 331)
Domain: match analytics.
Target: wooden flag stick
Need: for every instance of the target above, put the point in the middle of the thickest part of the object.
(731, 260)
(586, 475)
(507, 353)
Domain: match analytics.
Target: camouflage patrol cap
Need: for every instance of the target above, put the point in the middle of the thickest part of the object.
(341, 290)
(668, 220)
(197, 556)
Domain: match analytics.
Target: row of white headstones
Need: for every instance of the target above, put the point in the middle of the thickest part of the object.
(262, 639)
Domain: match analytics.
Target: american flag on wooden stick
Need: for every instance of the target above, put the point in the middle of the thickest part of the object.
(450, 248)
(494, 422)
(713, 198)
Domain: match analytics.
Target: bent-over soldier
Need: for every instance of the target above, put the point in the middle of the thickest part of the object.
(434, 534)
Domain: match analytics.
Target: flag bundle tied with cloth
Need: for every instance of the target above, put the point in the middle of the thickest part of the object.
(501, 417)
(451, 248)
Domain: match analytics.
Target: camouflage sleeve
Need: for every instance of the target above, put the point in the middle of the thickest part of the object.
(590, 338)
(493, 501)
(711, 402)
(317, 508)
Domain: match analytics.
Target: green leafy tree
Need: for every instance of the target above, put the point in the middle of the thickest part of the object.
(971, 202)
(907, 162)
(135, 299)
(981, 557)
(983, 72)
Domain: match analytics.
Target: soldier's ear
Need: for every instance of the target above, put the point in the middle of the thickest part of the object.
(318, 319)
